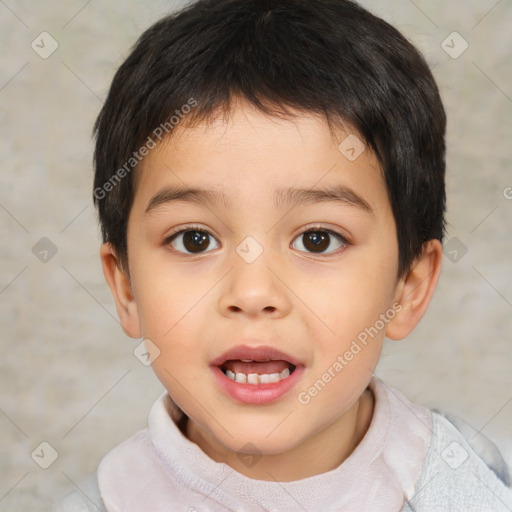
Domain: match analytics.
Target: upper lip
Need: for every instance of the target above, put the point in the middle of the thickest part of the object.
(257, 353)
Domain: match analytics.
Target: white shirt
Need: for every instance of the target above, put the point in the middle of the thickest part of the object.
(411, 459)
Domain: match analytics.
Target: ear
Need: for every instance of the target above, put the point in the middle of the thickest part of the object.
(415, 290)
(120, 286)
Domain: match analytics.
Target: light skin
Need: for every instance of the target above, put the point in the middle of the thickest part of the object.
(310, 303)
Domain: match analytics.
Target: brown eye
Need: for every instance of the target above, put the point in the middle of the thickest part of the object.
(191, 241)
(319, 240)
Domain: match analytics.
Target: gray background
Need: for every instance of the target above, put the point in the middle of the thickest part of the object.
(68, 375)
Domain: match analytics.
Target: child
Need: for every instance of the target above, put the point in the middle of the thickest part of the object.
(270, 185)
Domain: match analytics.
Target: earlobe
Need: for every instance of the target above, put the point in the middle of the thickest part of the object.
(415, 290)
(119, 284)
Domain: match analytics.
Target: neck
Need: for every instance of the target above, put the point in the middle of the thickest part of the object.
(323, 451)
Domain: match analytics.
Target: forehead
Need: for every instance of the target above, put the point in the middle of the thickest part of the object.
(250, 154)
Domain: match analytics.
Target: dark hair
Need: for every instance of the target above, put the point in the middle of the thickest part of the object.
(329, 57)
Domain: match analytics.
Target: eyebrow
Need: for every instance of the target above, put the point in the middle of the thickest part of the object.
(284, 196)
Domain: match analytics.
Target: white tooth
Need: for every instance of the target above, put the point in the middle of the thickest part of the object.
(285, 373)
(246, 360)
(252, 378)
(241, 377)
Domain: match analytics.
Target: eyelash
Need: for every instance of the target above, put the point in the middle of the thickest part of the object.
(317, 229)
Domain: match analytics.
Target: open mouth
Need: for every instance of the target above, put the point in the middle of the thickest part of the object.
(248, 371)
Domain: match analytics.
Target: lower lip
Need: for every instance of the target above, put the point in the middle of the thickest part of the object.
(256, 393)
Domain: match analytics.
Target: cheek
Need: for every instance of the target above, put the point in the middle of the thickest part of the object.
(169, 298)
(348, 308)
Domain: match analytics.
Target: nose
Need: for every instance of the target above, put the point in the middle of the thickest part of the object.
(255, 289)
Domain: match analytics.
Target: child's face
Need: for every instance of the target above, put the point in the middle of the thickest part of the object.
(307, 300)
